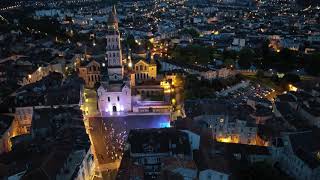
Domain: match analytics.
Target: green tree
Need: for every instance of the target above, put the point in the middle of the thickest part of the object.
(192, 54)
(246, 57)
(291, 78)
(260, 74)
(287, 60)
(227, 54)
(130, 41)
(191, 31)
(312, 64)
(228, 62)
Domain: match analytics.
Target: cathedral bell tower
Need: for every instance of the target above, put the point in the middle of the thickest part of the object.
(113, 49)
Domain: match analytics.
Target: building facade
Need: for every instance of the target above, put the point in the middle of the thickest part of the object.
(114, 93)
(226, 129)
(145, 70)
(90, 73)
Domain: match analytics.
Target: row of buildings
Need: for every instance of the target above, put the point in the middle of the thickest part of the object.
(221, 140)
(57, 147)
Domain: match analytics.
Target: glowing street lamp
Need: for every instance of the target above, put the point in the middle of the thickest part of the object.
(130, 64)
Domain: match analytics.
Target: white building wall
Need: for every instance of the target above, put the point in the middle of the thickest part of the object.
(86, 171)
(115, 101)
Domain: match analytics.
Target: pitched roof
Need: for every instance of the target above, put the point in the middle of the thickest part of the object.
(159, 141)
(306, 145)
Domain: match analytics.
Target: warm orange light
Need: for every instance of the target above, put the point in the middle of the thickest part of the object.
(165, 84)
(292, 88)
(225, 140)
(228, 139)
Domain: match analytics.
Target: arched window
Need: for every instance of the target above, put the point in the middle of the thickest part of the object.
(141, 68)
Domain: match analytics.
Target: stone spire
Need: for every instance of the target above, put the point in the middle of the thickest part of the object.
(112, 20)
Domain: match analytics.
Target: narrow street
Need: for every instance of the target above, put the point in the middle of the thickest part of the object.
(178, 98)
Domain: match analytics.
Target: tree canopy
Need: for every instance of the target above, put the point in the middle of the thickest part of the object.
(246, 58)
(193, 54)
